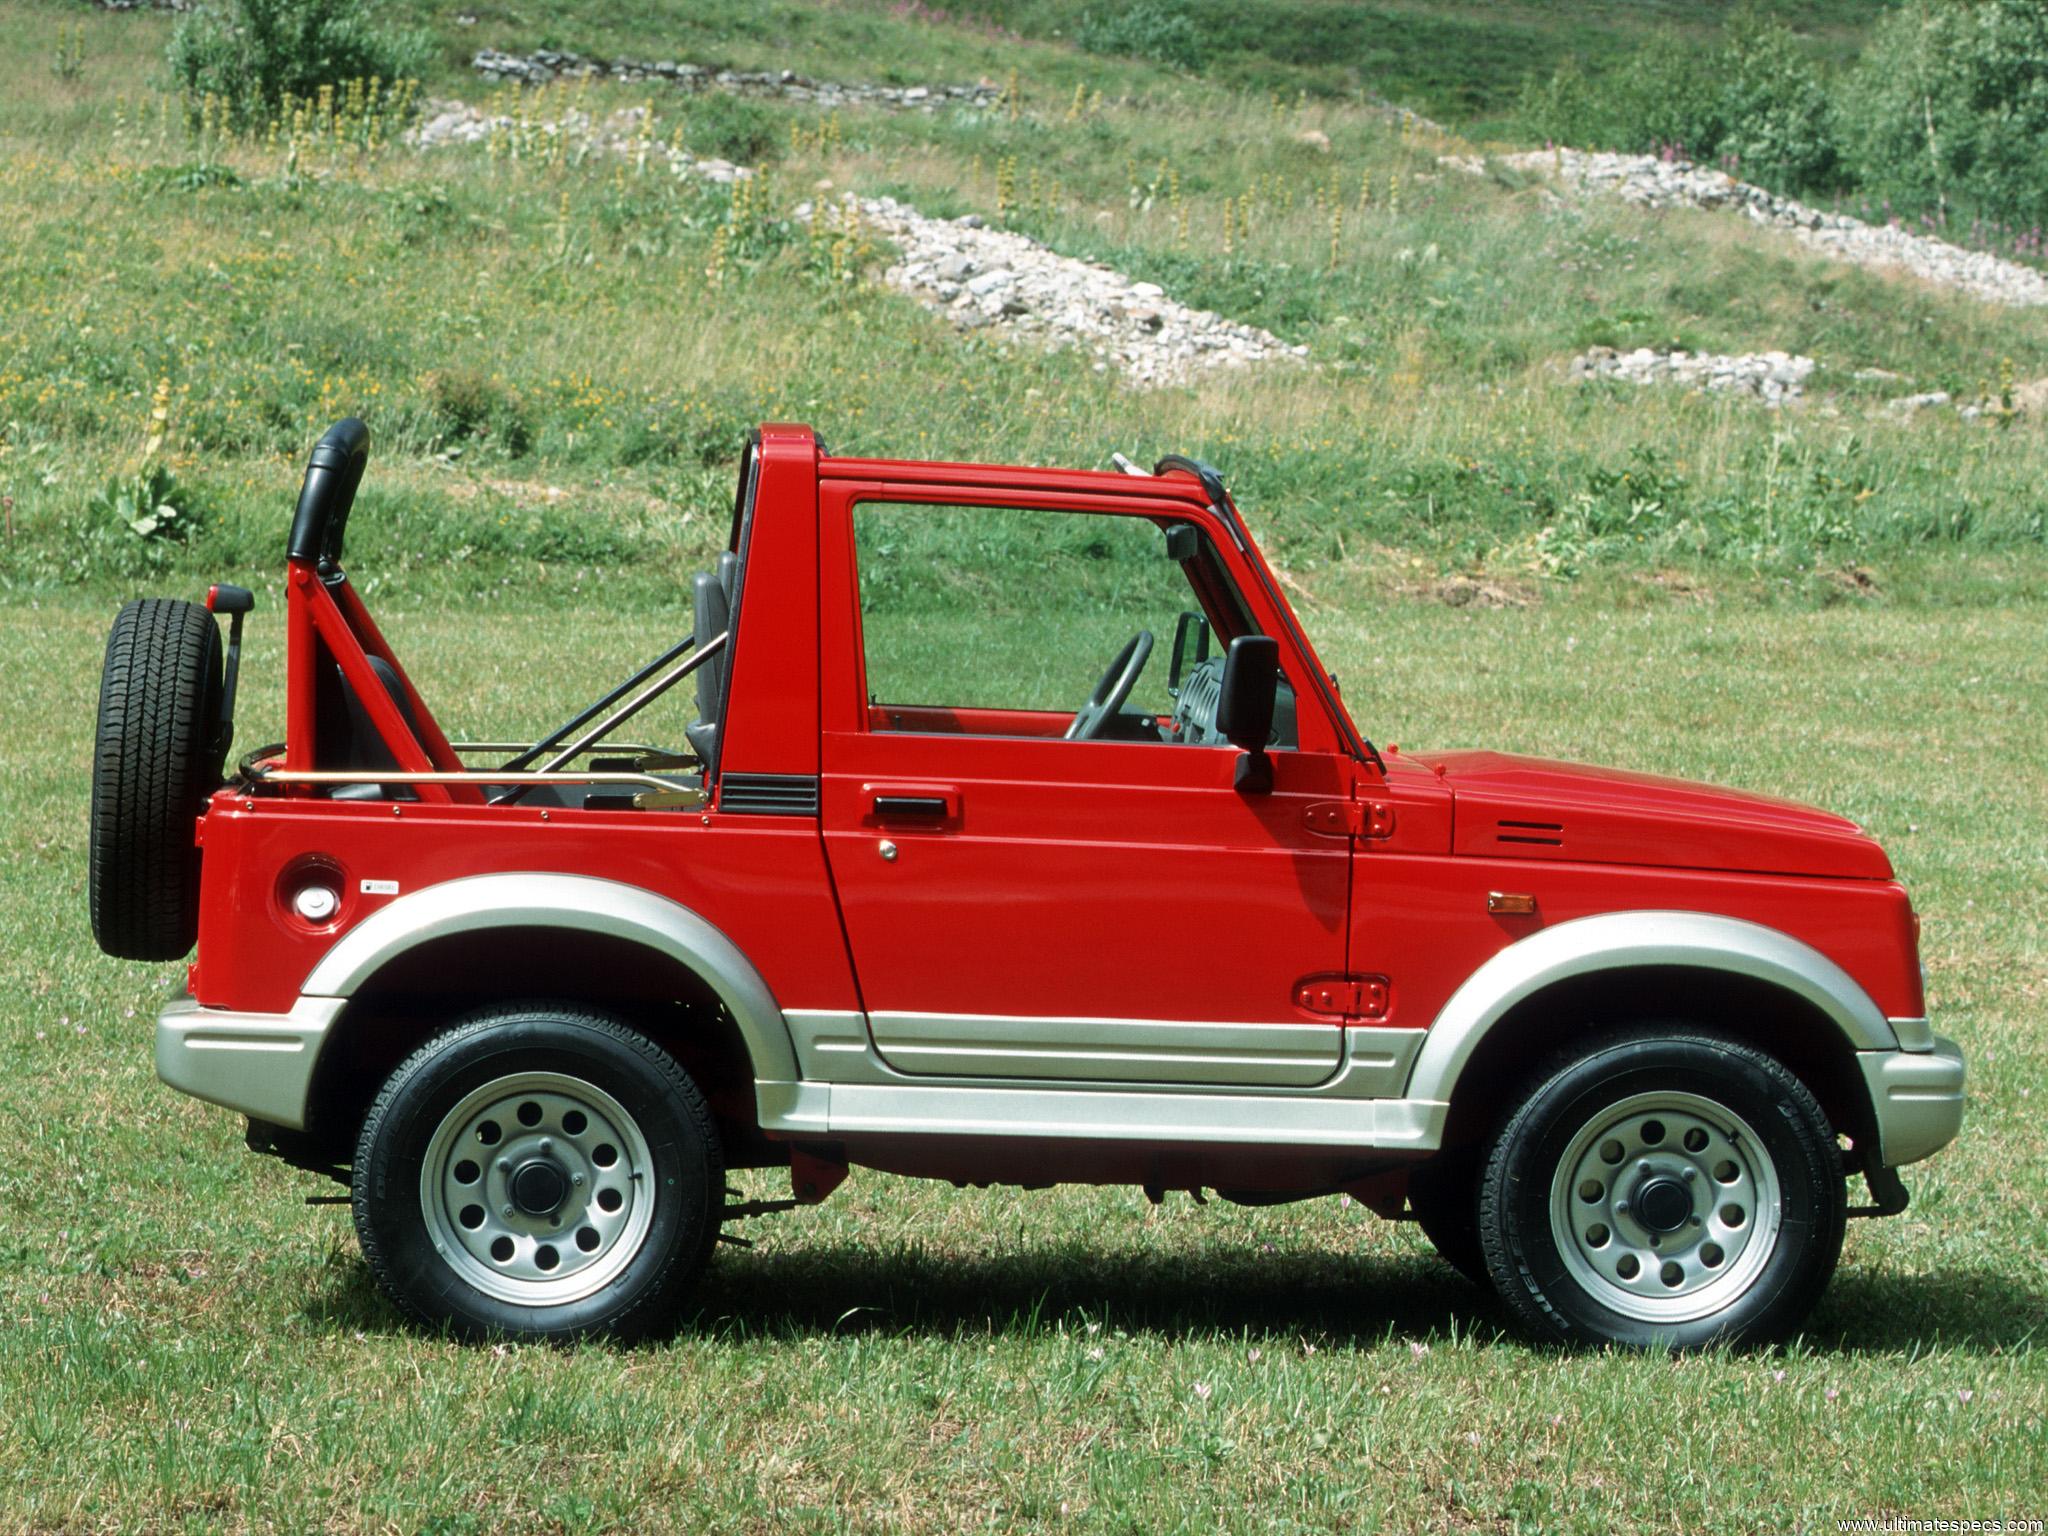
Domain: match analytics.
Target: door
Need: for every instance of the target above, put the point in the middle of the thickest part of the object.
(1028, 897)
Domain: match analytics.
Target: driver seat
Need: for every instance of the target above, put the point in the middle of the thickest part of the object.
(711, 597)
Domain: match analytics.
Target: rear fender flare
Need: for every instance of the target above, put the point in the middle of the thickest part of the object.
(576, 902)
(1615, 941)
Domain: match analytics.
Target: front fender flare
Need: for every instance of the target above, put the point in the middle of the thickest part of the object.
(579, 902)
(1615, 941)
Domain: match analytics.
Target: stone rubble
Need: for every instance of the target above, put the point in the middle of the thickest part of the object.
(1776, 378)
(975, 276)
(1656, 183)
(443, 123)
(544, 65)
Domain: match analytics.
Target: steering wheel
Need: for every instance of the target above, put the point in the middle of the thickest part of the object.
(1115, 687)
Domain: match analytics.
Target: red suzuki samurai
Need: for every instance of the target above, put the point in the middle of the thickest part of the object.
(916, 889)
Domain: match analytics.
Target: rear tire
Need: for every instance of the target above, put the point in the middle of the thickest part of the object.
(156, 757)
(539, 1171)
(1664, 1190)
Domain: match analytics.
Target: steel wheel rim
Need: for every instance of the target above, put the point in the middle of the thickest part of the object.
(1611, 1215)
(493, 1160)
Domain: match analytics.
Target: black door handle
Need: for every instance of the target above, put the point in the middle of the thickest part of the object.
(931, 806)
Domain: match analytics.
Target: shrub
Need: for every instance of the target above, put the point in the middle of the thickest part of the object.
(1755, 99)
(730, 127)
(1777, 121)
(468, 403)
(250, 53)
(1950, 103)
(1158, 30)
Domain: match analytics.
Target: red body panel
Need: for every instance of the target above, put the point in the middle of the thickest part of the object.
(1076, 879)
(760, 880)
(1095, 879)
(1527, 808)
(771, 718)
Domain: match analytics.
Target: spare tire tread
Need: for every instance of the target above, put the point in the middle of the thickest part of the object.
(154, 761)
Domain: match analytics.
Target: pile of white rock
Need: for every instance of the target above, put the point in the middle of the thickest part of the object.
(979, 277)
(1658, 183)
(1773, 377)
(623, 132)
(975, 276)
(544, 65)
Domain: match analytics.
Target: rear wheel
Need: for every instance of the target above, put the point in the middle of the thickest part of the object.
(156, 757)
(1668, 1190)
(539, 1171)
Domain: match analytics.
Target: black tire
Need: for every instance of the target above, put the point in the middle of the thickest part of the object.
(439, 1284)
(1443, 1193)
(156, 757)
(1762, 1126)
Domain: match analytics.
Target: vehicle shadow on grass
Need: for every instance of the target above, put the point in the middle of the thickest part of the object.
(849, 1289)
(1325, 1299)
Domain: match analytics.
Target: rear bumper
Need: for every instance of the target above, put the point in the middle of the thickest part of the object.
(1916, 1098)
(258, 1063)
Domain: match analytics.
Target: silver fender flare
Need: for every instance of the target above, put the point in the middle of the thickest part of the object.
(1616, 941)
(578, 902)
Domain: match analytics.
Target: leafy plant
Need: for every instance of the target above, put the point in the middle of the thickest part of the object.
(1950, 104)
(1755, 103)
(149, 503)
(1158, 30)
(252, 53)
(68, 62)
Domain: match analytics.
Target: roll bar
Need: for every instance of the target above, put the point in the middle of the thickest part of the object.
(333, 472)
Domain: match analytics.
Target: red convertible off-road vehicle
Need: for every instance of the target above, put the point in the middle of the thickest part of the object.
(909, 894)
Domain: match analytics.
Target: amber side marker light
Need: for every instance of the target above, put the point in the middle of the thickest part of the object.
(1510, 904)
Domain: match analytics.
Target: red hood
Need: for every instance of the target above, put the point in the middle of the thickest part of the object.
(1532, 808)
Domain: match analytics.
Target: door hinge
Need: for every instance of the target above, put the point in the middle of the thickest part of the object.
(1343, 997)
(1351, 818)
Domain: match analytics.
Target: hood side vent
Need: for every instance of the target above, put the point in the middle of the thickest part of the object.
(1541, 834)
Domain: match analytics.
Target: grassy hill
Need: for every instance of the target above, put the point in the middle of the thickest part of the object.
(556, 324)
(558, 357)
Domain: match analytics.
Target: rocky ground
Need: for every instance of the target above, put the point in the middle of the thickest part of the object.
(1775, 378)
(444, 123)
(544, 65)
(978, 278)
(1657, 183)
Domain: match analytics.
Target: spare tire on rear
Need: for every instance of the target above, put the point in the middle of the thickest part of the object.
(157, 755)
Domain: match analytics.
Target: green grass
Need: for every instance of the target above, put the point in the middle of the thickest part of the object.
(508, 328)
(187, 1347)
(1823, 603)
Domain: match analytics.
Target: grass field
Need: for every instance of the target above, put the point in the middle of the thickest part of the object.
(1826, 603)
(186, 1346)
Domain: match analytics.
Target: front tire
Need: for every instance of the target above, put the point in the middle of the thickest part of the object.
(1668, 1190)
(539, 1171)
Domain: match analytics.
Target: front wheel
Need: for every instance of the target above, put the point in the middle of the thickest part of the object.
(543, 1172)
(1664, 1190)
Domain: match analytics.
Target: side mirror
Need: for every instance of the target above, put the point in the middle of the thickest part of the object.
(1189, 624)
(1244, 708)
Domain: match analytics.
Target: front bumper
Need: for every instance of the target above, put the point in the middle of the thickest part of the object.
(258, 1063)
(1916, 1099)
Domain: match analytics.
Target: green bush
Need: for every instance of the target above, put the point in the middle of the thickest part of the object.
(250, 53)
(1158, 30)
(1754, 102)
(1949, 104)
